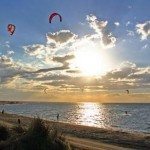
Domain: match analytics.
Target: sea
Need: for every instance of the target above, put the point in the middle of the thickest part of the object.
(128, 117)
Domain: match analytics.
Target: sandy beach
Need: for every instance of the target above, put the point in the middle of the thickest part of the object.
(85, 137)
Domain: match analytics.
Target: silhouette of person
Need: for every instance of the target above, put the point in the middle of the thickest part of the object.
(3, 111)
(57, 117)
(19, 121)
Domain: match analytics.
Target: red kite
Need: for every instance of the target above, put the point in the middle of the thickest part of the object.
(11, 29)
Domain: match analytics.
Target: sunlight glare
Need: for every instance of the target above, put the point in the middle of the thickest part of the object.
(90, 60)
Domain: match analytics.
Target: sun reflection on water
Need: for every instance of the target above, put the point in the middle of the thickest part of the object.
(91, 114)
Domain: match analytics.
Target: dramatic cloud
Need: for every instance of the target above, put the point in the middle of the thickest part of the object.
(9, 69)
(63, 60)
(101, 28)
(53, 62)
(56, 44)
(128, 75)
(143, 30)
(60, 38)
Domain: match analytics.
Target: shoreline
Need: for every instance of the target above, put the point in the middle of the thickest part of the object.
(109, 136)
(111, 127)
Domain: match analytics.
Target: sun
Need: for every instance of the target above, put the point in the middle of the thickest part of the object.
(91, 61)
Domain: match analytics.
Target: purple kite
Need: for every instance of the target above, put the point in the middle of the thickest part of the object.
(53, 15)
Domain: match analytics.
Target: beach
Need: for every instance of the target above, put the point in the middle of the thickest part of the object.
(85, 137)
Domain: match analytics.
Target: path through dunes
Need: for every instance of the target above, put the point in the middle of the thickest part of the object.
(87, 144)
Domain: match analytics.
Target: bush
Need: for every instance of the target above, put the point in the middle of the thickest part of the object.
(41, 137)
(19, 129)
(4, 133)
(38, 128)
(38, 137)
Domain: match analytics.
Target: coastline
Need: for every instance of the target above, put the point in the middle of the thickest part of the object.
(108, 136)
(9, 102)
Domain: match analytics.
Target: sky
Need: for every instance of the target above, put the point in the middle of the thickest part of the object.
(100, 50)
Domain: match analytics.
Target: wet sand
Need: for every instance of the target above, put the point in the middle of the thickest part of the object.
(85, 137)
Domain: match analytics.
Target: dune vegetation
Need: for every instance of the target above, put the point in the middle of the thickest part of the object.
(38, 136)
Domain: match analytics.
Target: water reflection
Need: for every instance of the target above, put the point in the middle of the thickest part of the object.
(91, 114)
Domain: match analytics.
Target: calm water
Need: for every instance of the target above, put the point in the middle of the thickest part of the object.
(91, 114)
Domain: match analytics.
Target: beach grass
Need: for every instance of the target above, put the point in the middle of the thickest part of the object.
(4, 133)
(39, 136)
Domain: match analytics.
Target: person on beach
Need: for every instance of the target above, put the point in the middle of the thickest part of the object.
(3, 111)
(19, 121)
(57, 117)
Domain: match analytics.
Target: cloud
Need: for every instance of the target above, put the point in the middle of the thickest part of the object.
(108, 40)
(34, 50)
(143, 30)
(145, 46)
(63, 59)
(73, 71)
(128, 75)
(5, 44)
(5, 61)
(96, 24)
(60, 59)
(61, 37)
(56, 55)
(10, 52)
(61, 42)
(128, 23)
(9, 69)
(119, 78)
(125, 69)
(57, 43)
(130, 33)
(130, 7)
(117, 24)
(101, 28)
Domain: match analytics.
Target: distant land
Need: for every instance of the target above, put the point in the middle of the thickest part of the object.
(10, 102)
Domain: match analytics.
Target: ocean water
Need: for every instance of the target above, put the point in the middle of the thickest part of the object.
(100, 115)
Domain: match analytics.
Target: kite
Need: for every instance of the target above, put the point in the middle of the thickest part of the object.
(53, 15)
(82, 89)
(127, 91)
(45, 90)
(11, 29)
